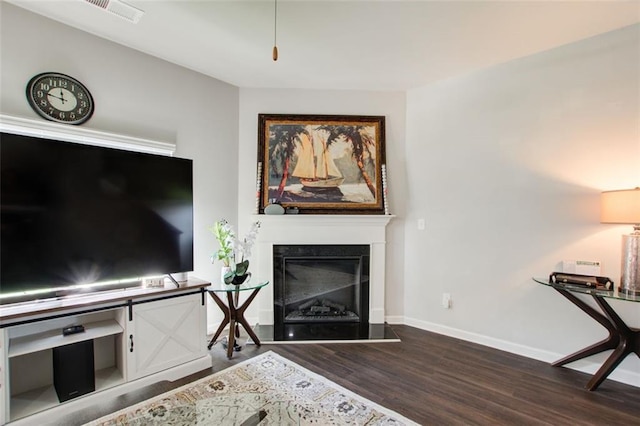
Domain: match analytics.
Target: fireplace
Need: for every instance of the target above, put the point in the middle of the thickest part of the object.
(322, 230)
(320, 291)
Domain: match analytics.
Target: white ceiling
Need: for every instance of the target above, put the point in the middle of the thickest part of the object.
(369, 45)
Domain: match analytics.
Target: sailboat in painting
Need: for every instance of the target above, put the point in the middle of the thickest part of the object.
(315, 167)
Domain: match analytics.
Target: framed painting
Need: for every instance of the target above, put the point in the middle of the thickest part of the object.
(329, 164)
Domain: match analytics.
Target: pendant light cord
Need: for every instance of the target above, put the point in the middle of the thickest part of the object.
(275, 31)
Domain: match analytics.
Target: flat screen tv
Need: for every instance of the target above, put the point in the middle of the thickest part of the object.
(73, 214)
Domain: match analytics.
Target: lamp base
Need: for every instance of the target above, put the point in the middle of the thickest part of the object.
(630, 279)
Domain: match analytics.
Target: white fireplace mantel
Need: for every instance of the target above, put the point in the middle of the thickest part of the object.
(322, 229)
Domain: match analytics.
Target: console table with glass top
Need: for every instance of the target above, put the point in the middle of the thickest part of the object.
(622, 339)
(233, 313)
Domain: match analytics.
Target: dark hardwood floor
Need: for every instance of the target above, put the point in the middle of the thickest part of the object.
(437, 380)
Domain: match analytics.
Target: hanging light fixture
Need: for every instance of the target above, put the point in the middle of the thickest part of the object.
(275, 31)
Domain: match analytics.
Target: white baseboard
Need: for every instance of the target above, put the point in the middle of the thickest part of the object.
(395, 319)
(585, 366)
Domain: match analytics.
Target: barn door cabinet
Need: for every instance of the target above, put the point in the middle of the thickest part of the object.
(139, 337)
(165, 333)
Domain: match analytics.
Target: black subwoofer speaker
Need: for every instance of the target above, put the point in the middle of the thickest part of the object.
(73, 370)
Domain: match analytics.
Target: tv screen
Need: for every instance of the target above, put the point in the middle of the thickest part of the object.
(75, 214)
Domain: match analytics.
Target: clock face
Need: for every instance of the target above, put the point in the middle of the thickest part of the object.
(60, 98)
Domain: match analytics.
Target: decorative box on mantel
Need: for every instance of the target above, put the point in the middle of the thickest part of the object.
(325, 230)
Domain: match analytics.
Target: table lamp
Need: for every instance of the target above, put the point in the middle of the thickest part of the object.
(623, 207)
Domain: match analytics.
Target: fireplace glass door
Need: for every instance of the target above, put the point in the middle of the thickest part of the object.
(320, 290)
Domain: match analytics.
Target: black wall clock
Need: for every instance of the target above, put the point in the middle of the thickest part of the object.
(58, 97)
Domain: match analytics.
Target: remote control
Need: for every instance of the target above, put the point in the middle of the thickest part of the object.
(72, 330)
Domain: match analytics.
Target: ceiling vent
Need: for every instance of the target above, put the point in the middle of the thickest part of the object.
(119, 8)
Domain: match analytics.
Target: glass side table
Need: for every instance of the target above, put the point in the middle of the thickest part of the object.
(234, 314)
(622, 339)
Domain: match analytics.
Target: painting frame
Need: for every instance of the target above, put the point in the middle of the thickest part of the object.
(321, 164)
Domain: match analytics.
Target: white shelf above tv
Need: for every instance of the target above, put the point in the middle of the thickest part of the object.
(45, 129)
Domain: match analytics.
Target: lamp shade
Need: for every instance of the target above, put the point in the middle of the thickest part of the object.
(621, 206)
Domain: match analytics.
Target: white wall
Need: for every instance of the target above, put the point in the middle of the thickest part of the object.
(389, 104)
(506, 166)
(135, 95)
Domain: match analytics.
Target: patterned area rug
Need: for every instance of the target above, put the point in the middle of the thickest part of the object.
(264, 390)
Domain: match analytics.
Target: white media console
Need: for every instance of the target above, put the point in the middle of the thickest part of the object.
(140, 336)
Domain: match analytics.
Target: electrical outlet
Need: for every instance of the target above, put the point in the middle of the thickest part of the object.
(421, 224)
(446, 301)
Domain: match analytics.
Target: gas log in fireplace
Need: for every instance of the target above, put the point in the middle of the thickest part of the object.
(321, 292)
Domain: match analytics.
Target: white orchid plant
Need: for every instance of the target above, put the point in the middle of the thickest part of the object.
(231, 248)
